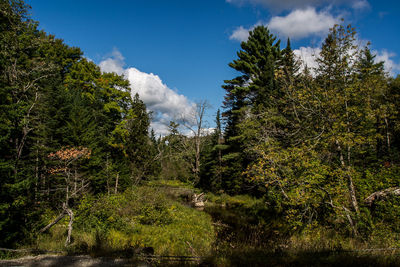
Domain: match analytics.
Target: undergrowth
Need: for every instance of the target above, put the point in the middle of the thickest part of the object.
(139, 220)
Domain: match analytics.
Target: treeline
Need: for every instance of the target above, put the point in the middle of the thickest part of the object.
(66, 128)
(314, 143)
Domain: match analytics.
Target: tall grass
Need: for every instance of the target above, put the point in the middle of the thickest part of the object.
(131, 222)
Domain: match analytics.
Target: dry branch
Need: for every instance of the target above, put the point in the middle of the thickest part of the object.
(379, 195)
(47, 227)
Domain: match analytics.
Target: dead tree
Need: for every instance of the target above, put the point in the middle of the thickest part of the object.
(194, 122)
(75, 184)
(380, 195)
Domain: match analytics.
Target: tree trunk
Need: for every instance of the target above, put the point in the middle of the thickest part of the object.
(348, 215)
(37, 173)
(75, 179)
(379, 195)
(352, 190)
(71, 221)
(387, 135)
(116, 184)
(107, 176)
(47, 227)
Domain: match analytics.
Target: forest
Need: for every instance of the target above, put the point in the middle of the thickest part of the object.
(301, 160)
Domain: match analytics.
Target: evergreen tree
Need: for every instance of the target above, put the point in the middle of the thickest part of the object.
(212, 166)
(131, 136)
(248, 94)
(23, 69)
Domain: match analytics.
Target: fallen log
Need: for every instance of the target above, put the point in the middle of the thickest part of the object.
(56, 220)
(379, 195)
(198, 200)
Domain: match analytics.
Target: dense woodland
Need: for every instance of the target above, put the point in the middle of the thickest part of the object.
(305, 150)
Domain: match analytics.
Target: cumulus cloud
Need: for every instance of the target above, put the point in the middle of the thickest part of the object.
(308, 56)
(165, 103)
(114, 63)
(156, 94)
(240, 34)
(302, 23)
(390, 65)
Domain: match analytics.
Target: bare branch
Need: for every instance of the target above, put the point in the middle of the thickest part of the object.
(379, 195)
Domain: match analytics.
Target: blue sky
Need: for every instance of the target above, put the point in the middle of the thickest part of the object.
(177, 52)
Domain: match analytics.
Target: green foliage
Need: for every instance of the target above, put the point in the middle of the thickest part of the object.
(53, 98)
(253, 90)
(175, 156)
(101, 213)
(308, 146)
(139, 217)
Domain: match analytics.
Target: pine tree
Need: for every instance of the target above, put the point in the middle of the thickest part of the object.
(248, 94)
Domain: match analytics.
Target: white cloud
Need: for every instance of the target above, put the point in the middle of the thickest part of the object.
(390, 65)
(204, 132)
(308, 56)
(156, 94)
(297, 24)
(302, 23)
(165, 103)
(114, 63)
(160, 127)
(240, 34)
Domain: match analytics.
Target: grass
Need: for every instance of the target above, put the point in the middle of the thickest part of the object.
(127, 223)
(152, 219)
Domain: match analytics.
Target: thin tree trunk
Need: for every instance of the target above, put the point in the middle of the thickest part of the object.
(67, 194)
(107, 177)
(339, 148)
(75, 180)
(197, 163)
(71, 221)
(387, 135)
(353, 227)
(37, 172)
(353, 197)
(352, 190)
(116, 184)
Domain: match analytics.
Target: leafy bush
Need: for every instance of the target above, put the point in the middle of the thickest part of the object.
(123, 224)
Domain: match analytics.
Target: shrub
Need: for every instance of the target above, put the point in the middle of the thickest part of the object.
(122, 224)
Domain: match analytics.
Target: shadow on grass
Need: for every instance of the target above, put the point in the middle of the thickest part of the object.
(322, 258)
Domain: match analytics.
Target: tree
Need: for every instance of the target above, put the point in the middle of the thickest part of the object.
(342, 111)
(248, 94)
(23, 70)
(131, 137)
(75, 184)
(194, 122)
(175, 155)
(212, 167)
